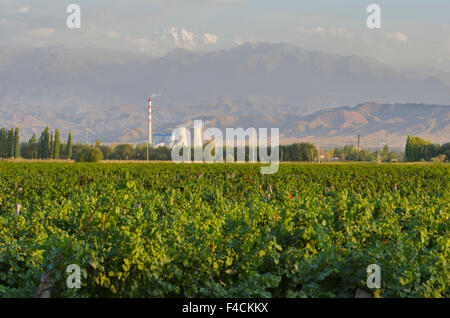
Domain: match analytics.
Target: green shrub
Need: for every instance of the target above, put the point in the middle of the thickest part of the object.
(89, 154)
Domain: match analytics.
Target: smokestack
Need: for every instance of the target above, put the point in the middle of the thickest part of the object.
(359, 143)
(150, 122)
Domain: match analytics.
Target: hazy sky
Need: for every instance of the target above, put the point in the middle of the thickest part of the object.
(413, 31)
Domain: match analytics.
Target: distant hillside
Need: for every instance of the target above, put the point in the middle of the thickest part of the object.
(258, 84)
(389, 123)
(376, 123)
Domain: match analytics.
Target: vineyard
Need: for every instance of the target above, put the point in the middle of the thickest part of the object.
(224, 230)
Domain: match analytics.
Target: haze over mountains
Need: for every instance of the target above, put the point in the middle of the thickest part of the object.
(252, 85)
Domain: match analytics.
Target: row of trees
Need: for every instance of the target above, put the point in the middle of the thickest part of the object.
(295, 152)
(418, 149)
(351, 153)
(48, 146)
(298, 152)
(9, 143)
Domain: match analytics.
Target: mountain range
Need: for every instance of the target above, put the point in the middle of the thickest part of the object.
(252, 85)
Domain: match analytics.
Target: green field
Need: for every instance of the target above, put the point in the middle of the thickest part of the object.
(193, 230)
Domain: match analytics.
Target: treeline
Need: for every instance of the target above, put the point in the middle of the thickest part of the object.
(298, 152)
(295, 152)
(48, 146)
(418, 149)
(97, 152)
(351, 153)
(9, 143)
(82, 152)
(128, 152)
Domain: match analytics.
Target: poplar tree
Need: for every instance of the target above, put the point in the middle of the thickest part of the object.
(69, 146)
(52, 153)
(45, 144)
(4, 136)
(39, 146)
(408, 149)
(56, 145)
(5, 143)
(1, 142)
(16, 142)
(33, 147)
(11, 143)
